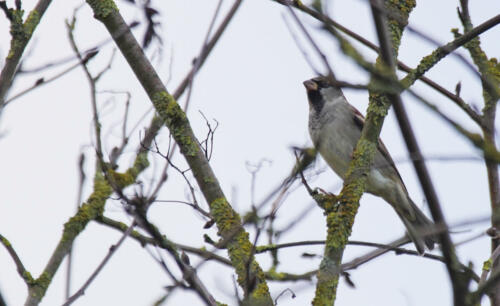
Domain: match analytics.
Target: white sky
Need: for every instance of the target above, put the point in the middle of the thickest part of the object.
(251, 84)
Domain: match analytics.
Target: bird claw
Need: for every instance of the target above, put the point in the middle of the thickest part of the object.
(326, 200)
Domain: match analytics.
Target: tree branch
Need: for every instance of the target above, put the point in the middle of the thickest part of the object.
(147, 240)
(25, 274)
(227, 220)
(99, 268)
(327, 21)
(459, 282)
(21, 35)
(491, 88)
(341, 218)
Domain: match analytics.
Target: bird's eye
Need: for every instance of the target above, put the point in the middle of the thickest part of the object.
(321, 82)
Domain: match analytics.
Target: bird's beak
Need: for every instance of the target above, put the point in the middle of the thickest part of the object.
(310, 85)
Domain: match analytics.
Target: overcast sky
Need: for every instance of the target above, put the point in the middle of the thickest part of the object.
(252, 86)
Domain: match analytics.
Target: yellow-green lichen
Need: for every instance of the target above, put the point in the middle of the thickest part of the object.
(5, 241)
(340, 225)
(260, 294)
(264, 248)
(102, 8)
(44, 280)
(209, 179)
(403, 6)
(328, 202)
(272, 274)
(90, 210)
(225, 218)
(378, 107)
(340, 220)
(398, 19)
(17, 33)
(27, 277)
(488, 68)
(425, 64)
(122, 180)
(298, 3)
(326, 289)
(487, 265)
(240, 252)
(494, 69)
(31, 22)
(39, 286)
(141, 162)
(240, 249)
(176, 121)
(362, 157)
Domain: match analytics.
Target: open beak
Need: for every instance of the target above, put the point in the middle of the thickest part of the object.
(310, 85)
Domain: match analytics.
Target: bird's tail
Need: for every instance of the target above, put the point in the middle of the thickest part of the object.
(420, 229)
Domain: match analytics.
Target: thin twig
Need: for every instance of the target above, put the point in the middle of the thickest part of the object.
(92, 86)
(313, 43)
(206, 49)
(189, 273)
(383, 248)
(143, 240)
(18, 45)
(81, 182)
(328, 21)
(99, 268)
(197, 62)
(299, 45)
(42, 81)
(21, 270)
(209, 47)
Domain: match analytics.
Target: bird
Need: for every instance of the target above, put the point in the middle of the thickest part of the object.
(335, 128)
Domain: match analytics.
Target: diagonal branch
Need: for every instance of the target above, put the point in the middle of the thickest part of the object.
(25, 274)
(99, 268)
(21, 35)
(156, 124)
(227, 220)
(88, 211)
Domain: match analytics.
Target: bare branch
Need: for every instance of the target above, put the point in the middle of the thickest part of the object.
(21, 270)
(99, 268)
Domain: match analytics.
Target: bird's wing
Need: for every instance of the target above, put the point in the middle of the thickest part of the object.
(359, 120)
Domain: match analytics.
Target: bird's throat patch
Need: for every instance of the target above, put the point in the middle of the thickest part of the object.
(316, 100)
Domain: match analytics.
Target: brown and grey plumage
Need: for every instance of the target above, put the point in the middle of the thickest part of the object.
(335, 128)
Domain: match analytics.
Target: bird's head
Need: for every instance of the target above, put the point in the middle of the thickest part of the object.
(320, 91)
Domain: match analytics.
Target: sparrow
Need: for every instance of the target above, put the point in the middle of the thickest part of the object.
(335, 128)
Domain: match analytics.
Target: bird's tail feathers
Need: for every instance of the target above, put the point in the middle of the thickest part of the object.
(419, 228)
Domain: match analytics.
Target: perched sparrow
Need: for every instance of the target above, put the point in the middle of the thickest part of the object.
(335, 128)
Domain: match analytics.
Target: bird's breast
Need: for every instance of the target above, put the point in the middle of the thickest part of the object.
(335, 141)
